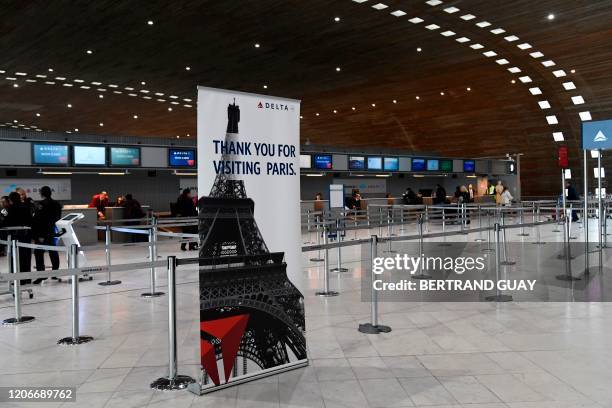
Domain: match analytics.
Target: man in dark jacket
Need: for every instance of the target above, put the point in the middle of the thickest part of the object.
(19, 215)
(186, 208)
(572, 195)
(439, 195)
(46, 213)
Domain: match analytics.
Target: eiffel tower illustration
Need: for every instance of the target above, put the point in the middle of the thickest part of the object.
(245, 295)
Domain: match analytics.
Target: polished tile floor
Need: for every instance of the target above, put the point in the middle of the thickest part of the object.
(479, 355)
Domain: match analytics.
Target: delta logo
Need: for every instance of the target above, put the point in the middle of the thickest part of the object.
(274, 106)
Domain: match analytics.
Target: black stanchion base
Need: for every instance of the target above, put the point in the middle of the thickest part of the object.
(327, 294)
(567, 278)
(13, 321)
(109, 283)
(316, 259)
(339, 270)
(152, 295)
(445, 244)
(526, 234)
(499, 298)
(171, 384)
(538, 243)
(562, 256)
(422, 276)
(390, 251)
(507, 263)
(488, 250)
(73, 341)
(480, 240)
(369, 328)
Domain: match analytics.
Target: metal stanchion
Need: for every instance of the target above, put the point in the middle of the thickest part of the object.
(173, 381)
(391, 221)
(421, 274)
(339, 267)
(308, 231)
(318, 257)
(537, 227)
(380, 222)
(571, 215)
(326, 292)
(568, 254)
(76, 338)
(599, 210)
(488, 248)
(153, 256)
(499, 296)
(505, 261)
(480, 238)
(444, 243)
(12, 254)
(522, 221)
(373, 327)
(107, 252)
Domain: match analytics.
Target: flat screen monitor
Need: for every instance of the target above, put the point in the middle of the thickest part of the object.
(357, 163)
(83, 155)
(49, 154)
(374, 163)
(305, 161)
(446, 165)
(433, 165)
(391, 164)
(184, 158)
(125, 156)
(323, 162)
(418, 164)
(469, 166)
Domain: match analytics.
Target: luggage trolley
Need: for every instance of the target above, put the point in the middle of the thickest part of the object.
(69, 237)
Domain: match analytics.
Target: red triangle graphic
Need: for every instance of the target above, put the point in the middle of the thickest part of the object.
(259, 105)
(229, 330)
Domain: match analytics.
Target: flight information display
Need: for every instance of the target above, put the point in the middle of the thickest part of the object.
(305, 161)
(374, 163)
(446, 165)
(469, 166)
(89, 155)
(356, 162)
(433, 165)
(418, 164)
(182, 158)
(50, 154)
(391, 164)
(125, 156)
(323, 161)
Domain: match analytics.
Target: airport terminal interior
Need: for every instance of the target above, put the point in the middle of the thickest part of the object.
(322, 204)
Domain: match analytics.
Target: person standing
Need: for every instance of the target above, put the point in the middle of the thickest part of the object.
(439, 195)
(19, 215)
(506, 197)
(132, 211)
(471, 192)
(499, 190)
(4, 204)
(46, 213)
(186, 208)
(572, 195)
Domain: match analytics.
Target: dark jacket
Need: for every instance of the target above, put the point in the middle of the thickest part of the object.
(19, 215)
(185, 207)
(440, 196)
(409, 197)
(572, 194)
(133, 209)
(46, 213)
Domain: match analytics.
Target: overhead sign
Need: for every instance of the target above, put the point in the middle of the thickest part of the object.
(251, 310)
(563, 157)
(597, 135)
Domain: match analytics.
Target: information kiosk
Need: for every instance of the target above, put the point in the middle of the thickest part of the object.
(69, 237)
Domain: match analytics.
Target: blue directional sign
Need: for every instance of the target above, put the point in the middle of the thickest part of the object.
(597, 135)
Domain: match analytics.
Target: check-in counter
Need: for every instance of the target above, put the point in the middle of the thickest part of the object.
(85, 228)
(117, 214)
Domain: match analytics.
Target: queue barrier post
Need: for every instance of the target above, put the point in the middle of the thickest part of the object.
(12, 253)
(153, 257)
(339, 267)
(173, 381)
(499, 296)
(76, 338)
(326, 292)
(421, 274)
(537, 227)
(318, 229)
(505, 260)
(373, 327)
(444, 243)
(480, 238)
(107, 253)
(308, 231)
(521, 220)
(567, 252)
(488, 248)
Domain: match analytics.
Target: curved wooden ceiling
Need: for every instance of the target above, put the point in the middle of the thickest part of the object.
(300, 48)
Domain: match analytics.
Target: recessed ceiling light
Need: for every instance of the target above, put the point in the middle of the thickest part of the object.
(257, 45)
(558, 136)
(524, 46)
(135, 116)
(69, 105)
(569, 86)
(536, 54)
(584, 116)
(469, 89)
(150, 22)
(38, 115)
(336, 19)
(417, 97)
(394, 101)
(338, 69)
(477, 46)
(398, 13)
(141, 83)
(514, 70)
(535, 91)
(525, 79)
(498, 31)
(335, 111)
(489, 54)
(451, 10)
(89, 52)
(511, 38)
(301, 117)
(551, 16)
(178, 137)
(101, 124)
(468, 17)
(577, 100)
(50, 69)
(462, 40)
(187, 68)
(432, 27)
(448, 33)
(552, 120)
(416, 20)
(379, 6)
(483, 24)
(15, 85)
(513, 81)
(373, 105)
(76, 129)
(317, 114)
(559, 73)
(100, 96)
(549, 63)
(265, 86)
(353, 108)
(502, 61)
(169, 109)
(544, 105)
(442, 93)
(419, 49)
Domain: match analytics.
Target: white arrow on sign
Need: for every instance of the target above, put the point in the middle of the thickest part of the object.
(600, 137)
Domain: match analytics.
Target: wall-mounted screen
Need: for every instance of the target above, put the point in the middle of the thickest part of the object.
(357, 163)
(469, 166)
(83, 155)
(374, 163)
(418, 164)
(305, 161)
(446, 165)
(48, 154)
(391, 164)
(323, 162)
(433, 165)
(125, 156)
(182, 158)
